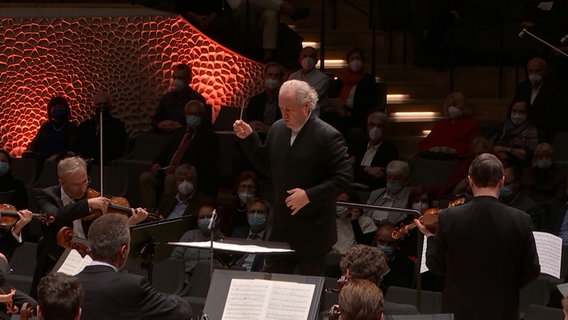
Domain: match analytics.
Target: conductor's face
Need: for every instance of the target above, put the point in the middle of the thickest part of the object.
(75, 184)
(293, 113)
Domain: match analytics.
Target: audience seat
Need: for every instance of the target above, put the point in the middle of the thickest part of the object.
(22, 264)
(47, 176)
(196, 291)
(168, 276)
(115, 180)
(535, 293)
(24, 170)
(430, 302)
(429, 172)
(535, 312)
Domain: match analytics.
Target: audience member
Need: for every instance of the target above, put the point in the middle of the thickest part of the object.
(352, 227)
(370, 162)
(170, 114)
(110, 294)
(258, 211)
(233, 214)
(544, 181)
(56, 136)
(545, 102)
(87, 144)
(370, 263)
(401, 267)
(210, 17)
(262, 109)
(512, 195)
(487, 240)
(361, 299)
(68, 203)
(518, 137)
(356, 92)
(308, 164)
(451, 137)
(315, 78)
(194, 144)
(419, 199)
(187, 199)
(395, 194)
(12, 190)
(192, 256)
(59, 297)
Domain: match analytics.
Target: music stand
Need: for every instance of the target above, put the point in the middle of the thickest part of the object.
(221, 283)
(437, 316)
(145, 237)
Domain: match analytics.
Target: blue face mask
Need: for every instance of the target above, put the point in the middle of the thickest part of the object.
(203, 223)
(394, 187)
(505, 192)
(544, 163)
(388, 250)
(4, 168)
(193, 121)
(58, 114)
(256, 220)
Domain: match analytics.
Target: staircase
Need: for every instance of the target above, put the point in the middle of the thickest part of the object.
(487, 88)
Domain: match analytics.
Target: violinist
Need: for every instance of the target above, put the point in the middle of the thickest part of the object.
(68, 203)
(484, 249)
(401, 266)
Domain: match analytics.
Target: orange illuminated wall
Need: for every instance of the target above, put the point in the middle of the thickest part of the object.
(128, 51)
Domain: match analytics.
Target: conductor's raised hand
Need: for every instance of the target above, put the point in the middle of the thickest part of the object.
(297, 199)
(242, 129)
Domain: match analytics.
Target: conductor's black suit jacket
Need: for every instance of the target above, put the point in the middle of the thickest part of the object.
(318, 163)
(487, 252)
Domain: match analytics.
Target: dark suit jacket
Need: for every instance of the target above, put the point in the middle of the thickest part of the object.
(168, 202)
(486, 251)
(318, 163)
(87, 143)
(256, 106)
(8, 244)
(386, 152)
(117, 295)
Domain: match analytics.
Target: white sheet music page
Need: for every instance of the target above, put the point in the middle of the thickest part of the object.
(257, 299)
(74, 263)
(549, 250)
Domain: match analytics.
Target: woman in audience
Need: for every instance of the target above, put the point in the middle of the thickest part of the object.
(544, 180)
(518, 137)
(12, 191)
(352, 227)
(234, 213)
(451, 137)
(55, 136)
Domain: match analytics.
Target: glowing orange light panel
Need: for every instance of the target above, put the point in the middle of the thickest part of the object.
(130, 56)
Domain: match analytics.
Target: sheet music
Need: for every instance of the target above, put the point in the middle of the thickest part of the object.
(74, 263)
(231, 247)
(549, 250)
(271, 300)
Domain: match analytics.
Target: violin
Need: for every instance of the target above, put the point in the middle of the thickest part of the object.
(118, 205)
(9, 216)
(429, 219)
(66, 238)
(11, 308)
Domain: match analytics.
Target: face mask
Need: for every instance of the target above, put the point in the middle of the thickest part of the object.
(454, 112)
(4, 168)
(375, 133)
(58, 114)
(185, 188)
(179, 85)
(535, 78)
(271, 84)
(256, 220)
(388, 250)
(193, 121)
(420, 206)
(356, 65)
(203, 223)
(518, 118)
(394, 187)
(308, 63)
(245, 196)
(505, 192)
(544, 163)
(342, 212)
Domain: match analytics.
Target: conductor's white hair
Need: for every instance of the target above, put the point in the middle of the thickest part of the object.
(304, 92)
(70, 165)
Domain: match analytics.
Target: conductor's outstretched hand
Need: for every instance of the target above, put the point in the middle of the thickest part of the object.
(242, 129)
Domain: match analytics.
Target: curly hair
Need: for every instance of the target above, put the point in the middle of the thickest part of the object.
(365, 262)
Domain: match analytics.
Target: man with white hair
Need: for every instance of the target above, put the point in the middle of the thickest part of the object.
(307, 161)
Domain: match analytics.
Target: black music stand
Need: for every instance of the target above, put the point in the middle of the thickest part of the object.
(221, 283)
(145, 238)
(437, 316)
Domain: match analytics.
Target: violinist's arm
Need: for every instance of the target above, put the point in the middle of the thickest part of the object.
(25, 218)
(138, 215)
(47, 202)
(4, 269)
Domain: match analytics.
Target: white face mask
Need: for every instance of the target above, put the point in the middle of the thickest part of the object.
(454, 112)
(308, 63)
(179, 85)
(245, 196)
(535, 78)
(356, 65)
(342, 212)
(375, 133)
(271, 84)
(185, 188)
(518, 118)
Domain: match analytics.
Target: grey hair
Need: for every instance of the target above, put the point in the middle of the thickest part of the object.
(304, 92)
(382, 117)
(185, 169)
(399, 167)
(107, 234)
(70, 165)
